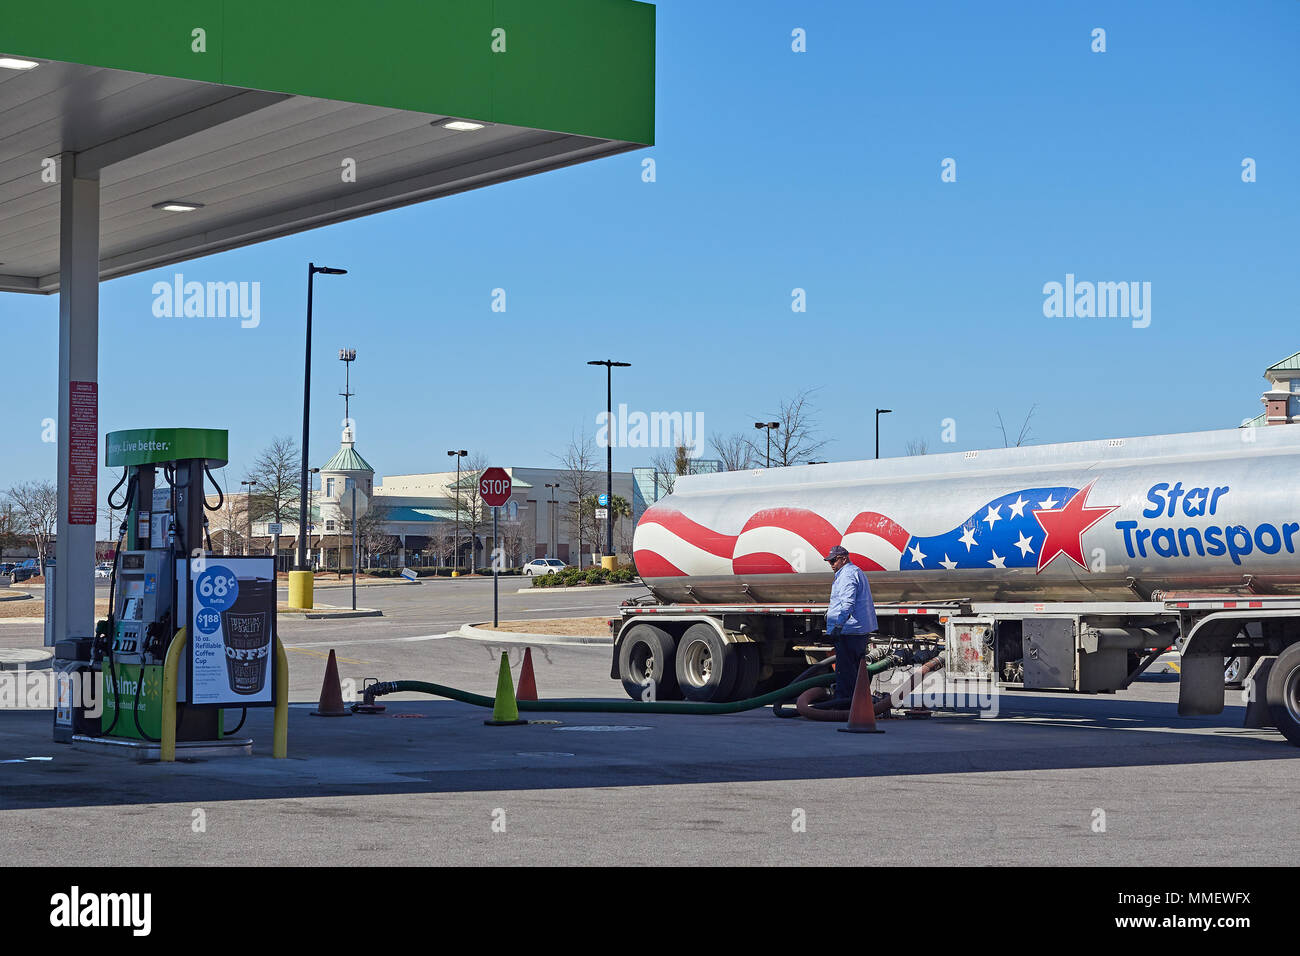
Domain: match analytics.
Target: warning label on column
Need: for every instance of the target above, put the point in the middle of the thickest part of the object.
(83, 444)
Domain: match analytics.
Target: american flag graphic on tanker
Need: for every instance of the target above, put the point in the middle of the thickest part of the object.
(1028, 528)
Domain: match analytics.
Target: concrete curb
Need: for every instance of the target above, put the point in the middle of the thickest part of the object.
(331, 613)
(14, 597)
(585, 587)
(508, 637)
(347, 583)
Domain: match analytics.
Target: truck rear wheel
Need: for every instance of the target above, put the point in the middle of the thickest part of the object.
(647, 658)
(706, 665)
(1283, 693)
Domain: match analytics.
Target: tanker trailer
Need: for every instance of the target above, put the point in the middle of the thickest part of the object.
(1065, 567)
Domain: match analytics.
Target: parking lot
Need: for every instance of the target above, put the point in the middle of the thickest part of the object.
(1055, 778)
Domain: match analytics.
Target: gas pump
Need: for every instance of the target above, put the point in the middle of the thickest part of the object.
(165, 471)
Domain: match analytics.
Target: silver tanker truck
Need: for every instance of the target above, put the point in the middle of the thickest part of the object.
(1064, 567)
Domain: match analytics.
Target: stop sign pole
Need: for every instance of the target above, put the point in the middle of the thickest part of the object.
(494, 489)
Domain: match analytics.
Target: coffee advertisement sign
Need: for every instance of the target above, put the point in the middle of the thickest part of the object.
(232, 608)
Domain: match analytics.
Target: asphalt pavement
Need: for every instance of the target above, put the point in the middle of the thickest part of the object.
(1053, 779)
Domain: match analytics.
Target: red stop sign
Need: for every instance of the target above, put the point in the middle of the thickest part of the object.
(494, 487)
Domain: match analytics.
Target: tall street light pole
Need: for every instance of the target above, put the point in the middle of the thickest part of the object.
(768, 427)
(312, 269)
(879, 412)
(610, 365)
(354, 545)
(248, 514)
(552, 545)
(456, 498)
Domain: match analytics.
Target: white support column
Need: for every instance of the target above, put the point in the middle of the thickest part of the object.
(74, 590)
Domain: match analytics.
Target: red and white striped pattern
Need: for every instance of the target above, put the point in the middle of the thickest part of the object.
(874, 542)
(772, 541)
(783, 541)
(668, 544)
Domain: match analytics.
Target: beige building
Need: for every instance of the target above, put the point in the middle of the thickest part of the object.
(1282, 397)
(420, 523)
(540, 520)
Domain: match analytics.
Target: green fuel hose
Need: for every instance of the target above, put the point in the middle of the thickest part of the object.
(614, 706)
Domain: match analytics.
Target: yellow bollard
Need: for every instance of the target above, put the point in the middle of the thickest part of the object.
(171, 671)
(300, 590)
(609, 562)
(280, 728)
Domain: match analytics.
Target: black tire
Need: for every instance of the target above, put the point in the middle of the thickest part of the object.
(648, 653)
(1283, 694)
(751, 661)
(707, 666)
(1237, 669)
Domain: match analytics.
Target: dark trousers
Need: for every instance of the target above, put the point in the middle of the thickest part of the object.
(850, 649)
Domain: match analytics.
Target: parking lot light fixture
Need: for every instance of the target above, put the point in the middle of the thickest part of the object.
(458, 454)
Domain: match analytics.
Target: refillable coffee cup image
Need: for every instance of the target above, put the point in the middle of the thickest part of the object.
(246, 628)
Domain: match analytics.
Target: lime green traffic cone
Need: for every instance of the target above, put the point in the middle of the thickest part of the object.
(505, 711)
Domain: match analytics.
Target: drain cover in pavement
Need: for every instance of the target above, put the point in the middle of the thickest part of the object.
(602, 728)
(18, 658)
(545, 753)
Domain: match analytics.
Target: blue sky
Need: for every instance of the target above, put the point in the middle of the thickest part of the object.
(776, 170)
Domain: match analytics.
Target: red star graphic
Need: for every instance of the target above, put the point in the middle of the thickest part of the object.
(1065, 527)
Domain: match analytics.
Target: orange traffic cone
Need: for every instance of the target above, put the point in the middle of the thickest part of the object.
(527, 680)
(862, 712)
(331, 693)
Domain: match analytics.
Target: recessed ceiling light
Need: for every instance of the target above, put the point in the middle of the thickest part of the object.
(460, 125)
(13, 63)
(173, 205)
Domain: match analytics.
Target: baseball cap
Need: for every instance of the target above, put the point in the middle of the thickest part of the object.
(836, 552)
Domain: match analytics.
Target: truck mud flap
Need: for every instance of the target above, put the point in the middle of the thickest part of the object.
(1200, 685)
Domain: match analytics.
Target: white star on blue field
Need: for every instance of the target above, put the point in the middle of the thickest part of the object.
(1002, 534)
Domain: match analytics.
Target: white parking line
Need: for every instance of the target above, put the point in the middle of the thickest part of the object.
(377, 640)
(574, 607)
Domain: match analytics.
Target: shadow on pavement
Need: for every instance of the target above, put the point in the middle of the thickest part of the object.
(440, 746)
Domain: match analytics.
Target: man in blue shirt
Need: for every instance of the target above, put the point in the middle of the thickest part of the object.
(850, 617)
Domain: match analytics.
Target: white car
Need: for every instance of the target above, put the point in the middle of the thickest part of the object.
(103, 570)
(544, 566)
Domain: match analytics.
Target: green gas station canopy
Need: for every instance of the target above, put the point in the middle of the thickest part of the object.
(252, 110)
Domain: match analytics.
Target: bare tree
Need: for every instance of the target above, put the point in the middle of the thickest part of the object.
(442, 542)
(371, 534)
(1023, 437)
(578, 482)
(10, 526)
(734, 451)
(277, 472)
(795, 439)
(228, 524)
(516, 541)
(469, 505)
(671, 464)
(918, 447)
(36, 507)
